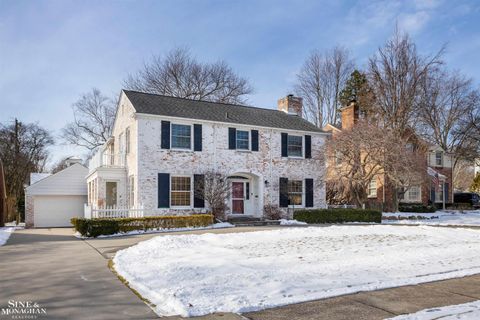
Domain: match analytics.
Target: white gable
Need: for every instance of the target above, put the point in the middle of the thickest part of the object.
(69, 181)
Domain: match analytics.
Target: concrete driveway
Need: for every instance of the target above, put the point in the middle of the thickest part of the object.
(64, 275)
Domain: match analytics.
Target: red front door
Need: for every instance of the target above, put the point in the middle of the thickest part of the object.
(238, 198)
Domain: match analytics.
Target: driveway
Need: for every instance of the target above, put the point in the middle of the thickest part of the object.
(64, 275)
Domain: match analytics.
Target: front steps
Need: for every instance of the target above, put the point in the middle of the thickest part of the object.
(244, 221)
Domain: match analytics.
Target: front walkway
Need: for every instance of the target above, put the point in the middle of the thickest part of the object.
(70, 278)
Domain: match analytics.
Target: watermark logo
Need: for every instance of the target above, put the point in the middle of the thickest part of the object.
(23, 310)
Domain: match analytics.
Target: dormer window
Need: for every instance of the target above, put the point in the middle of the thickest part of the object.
(295, 146)
(439, 159)
(181, 136)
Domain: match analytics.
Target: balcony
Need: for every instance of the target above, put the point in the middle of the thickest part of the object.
(102, 159)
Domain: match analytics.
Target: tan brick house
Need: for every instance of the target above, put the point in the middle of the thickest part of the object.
(438, 166)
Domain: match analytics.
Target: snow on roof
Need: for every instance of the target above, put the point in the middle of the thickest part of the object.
(37, 176)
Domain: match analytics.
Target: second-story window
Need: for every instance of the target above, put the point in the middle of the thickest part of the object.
(294, 146)
(439, 158)
(242, 141)
(181, 136)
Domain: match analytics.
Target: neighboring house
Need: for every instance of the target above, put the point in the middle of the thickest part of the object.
(161, 147)
(52, 200)
(438, 166)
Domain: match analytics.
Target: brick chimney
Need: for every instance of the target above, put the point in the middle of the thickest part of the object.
(291, 105)
(350, 115)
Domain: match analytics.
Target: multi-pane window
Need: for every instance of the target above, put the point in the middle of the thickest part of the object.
(372, 188)
(127, 141)
(413, 194)
(294, 146)
(242, 140)
(180, 191)
(295, 192)
(181, 136)
(121, 142)
(439, 158)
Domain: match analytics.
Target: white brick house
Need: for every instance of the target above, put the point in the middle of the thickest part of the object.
(160, 147)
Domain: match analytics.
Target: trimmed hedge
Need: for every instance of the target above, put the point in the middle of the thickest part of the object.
(417, 208)
(96, 227)
(337, 215)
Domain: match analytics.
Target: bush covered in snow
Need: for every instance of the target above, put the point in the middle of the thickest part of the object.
(337, 215)
(96, 227)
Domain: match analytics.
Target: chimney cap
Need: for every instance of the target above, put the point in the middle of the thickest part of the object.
(290, 95)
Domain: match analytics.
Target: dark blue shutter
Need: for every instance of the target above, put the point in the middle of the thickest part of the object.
(165, 134)
(198, 185)
(432, 193)
(308, 147)
(284, 145)
(254, 140)
(283, 192)
(445, 190)
(163, 190)
(232, 138)
(197, 137)
(308, 193)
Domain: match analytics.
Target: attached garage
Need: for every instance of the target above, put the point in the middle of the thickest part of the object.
(55, 199)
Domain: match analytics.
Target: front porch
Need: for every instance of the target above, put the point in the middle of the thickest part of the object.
(246, 196)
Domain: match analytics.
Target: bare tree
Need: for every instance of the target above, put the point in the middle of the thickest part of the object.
(23, 149)
(396, 74)
(94, 115)
(463, 175)
(178, 74)
(449, 100)
(367, 151)
(320, 81)
(215, 190)
(356, 157)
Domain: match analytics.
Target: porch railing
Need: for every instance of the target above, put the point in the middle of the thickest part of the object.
(108, 160)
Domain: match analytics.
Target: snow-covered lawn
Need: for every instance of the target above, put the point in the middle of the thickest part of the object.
(441, 218)
(285, 222)
(239, 272)
(466, 311)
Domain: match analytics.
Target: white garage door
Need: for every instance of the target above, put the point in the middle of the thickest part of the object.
(56, 211)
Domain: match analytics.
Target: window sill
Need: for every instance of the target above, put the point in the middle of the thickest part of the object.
(296, 207)
(295, 158)
(180, 208)
(372, 197)
(243, 150)
(181, 150)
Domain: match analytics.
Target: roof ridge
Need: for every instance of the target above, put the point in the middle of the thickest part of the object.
(212, 102)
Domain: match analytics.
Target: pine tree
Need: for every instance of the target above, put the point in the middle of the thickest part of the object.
(475, 187)
(354, 88)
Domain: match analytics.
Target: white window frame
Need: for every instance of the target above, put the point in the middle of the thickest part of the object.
(441, 158)
(249, 140)
(121, 142)
(406, 196)
(303, 194)
(171, 136)
(441, 189)
(191, 191)
(303, 146)
(372, 194)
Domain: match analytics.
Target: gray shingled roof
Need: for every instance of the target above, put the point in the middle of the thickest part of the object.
(212, 111)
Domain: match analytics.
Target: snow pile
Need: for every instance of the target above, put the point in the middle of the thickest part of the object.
(466, 311)
(285, 222)
(5, 233)
(194, 275)
(220, 225)
(439, 218)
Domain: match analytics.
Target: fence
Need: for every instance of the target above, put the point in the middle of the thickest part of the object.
(107, 212)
